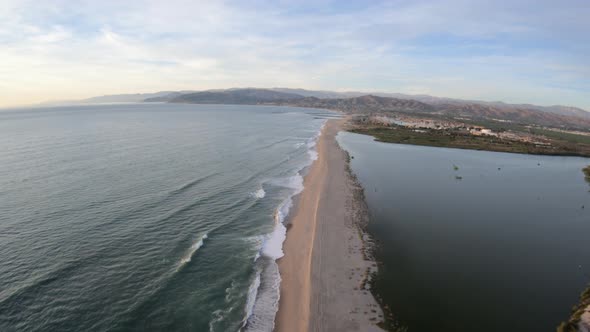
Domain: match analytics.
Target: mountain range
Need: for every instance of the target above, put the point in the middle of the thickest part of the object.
(361, 102)
(235, 96)
(432, 100)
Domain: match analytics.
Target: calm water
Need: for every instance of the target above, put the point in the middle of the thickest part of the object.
(499, 250)
(146, 216)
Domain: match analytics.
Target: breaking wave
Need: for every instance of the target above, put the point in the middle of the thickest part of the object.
(187, 258)
(264, 292)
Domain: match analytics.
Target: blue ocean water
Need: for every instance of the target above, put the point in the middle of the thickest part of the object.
(147, 216)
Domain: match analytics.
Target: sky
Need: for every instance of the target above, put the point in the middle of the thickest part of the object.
(519, 51)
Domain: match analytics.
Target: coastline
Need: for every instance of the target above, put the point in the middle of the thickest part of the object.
(326, 265)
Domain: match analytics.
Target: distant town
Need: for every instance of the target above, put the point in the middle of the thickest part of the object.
(420, 125)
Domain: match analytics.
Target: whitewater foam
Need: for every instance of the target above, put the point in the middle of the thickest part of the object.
(313, 155)
(292, 182)
(230, 291)
(260, 193)
(312, 151)
(219, 316)
(262, 315)
(187, 258)
(273, 246)
(264, 292)
(251, 299)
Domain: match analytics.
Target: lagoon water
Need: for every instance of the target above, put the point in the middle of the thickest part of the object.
(147, 216)
(504, 248)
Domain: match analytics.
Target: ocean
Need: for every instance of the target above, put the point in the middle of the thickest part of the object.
(474, 240)
(143, 217)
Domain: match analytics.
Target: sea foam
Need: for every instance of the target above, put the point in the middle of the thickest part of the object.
(313, 155)
(260, 193)
(273, 246)
(293, 182)
(264, 292)
(187, 258)
(261, 317)
(251, 299)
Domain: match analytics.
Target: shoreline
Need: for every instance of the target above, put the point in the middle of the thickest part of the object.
(326, 265)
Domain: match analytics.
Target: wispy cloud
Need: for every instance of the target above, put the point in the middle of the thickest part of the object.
(528, 51)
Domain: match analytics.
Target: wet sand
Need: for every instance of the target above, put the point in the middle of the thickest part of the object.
(325, 267)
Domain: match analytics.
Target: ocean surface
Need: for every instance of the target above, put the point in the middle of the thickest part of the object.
(147, 217)
(474, 240)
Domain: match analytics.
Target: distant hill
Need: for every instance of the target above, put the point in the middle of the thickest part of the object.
(235, 96)
(432, 100)
(255, 95)
(364, 104)
(476, 111)
(514, 113)
(556, 109)
(167, 97)
(124, 98)
(319, 93)
(361, 102)
(563, 110)
(551, 116)
(120, 98)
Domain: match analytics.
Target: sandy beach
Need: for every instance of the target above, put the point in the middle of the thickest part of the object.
(325, 267)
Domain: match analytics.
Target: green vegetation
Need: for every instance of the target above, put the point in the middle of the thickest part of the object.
(572, 324)
(519, 127)
(573, 138)
(462, 140)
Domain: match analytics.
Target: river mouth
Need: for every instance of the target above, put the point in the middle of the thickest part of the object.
(473, 240)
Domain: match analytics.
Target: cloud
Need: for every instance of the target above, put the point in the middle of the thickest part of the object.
(458, 48)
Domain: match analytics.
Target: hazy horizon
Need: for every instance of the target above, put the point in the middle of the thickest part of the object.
(65, 102)
(532, 52)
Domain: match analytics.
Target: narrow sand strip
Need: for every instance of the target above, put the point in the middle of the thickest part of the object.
(324, 267)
